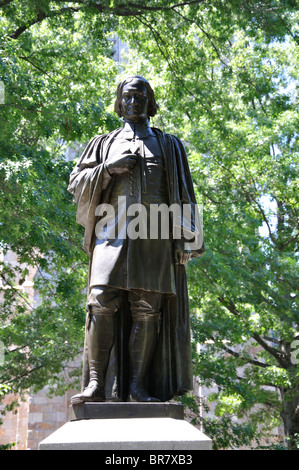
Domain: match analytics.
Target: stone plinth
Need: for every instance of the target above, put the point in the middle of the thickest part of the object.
(126, 410)
(127, 426)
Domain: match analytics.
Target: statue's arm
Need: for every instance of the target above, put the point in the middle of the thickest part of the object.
(87, 181)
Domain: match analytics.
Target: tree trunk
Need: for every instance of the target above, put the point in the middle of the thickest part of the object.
(290, 417)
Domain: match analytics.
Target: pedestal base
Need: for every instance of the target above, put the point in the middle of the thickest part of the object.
(127, 433)
(112, 410)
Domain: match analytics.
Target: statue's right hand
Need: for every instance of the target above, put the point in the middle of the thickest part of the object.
(123, 164)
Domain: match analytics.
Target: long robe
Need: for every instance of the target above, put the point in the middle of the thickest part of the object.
(171, 370)
(135, 252)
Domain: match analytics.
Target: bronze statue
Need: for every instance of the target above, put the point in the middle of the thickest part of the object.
(137, 341)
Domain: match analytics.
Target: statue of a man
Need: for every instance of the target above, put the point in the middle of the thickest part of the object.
(137, 341)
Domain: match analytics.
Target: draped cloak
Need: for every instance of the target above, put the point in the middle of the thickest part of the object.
(171, 369)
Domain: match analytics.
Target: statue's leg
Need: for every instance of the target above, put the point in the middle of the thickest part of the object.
(143, 341)
(100, 334)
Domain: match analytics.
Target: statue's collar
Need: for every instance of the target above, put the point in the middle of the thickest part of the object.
(138, 130)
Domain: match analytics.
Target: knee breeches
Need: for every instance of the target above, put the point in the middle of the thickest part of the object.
(144, 305)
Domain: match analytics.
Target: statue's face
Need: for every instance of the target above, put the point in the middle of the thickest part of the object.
(134, 101)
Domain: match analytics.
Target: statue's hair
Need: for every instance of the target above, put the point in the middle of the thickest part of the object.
(152, 105)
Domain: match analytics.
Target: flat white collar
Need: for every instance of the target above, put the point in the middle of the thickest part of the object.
(138, 130)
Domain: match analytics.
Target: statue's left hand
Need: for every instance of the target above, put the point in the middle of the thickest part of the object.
(182, 257)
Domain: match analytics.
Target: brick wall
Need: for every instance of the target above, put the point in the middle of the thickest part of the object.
(37, 417)
(14, 428)
(45, 416)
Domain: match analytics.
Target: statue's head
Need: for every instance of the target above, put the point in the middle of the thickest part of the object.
(135, 99)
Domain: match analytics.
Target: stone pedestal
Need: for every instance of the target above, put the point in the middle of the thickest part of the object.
(127, 427)
(126, 410)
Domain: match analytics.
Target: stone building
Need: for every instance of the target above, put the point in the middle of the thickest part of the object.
(35, 419)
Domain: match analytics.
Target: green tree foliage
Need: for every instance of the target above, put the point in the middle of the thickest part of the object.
(225, 74)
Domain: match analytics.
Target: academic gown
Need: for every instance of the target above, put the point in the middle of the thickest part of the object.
(171, 370)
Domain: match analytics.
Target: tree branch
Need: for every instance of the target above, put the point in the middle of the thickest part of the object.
(280, 357)
(17, 291)
(133, 9)
(37, 67)
(128, 9)
(6, 2)
(289, 241)
(276, 354)
(40, 17)
(12, 105)
(141, 8)
(247, 359)
(25, 374)
(219, 203)
(207, 35)
(251, 198)
(158, 37)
